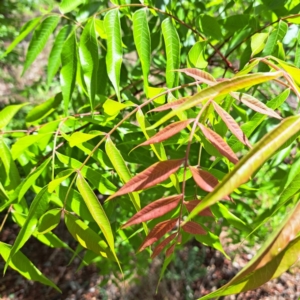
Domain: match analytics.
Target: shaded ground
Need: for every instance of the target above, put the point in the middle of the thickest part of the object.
(184, 279)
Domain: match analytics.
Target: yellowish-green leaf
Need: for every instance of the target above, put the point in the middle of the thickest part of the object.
(8, 112)
(78, 138)
(258, 43)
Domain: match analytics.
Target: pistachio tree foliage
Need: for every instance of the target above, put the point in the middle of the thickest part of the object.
(168, 121)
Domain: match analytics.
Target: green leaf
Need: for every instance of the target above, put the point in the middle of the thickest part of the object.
(88, 54)
(96, 211)
(69, 5)
(38, 206)
(219, 89)
(11, 177)
(62, 176)
(119, 165)
(172, 46)
(114, 48)
(251, 162)
(30, 180)
(68, 70)
(8, 112)
(39, 40)
(210, 27)
(142, 42)
(54, 59)
(44, 109)
(196, 56)
(24, 266)
(277, 254)
(49, 221)
(276, 35)
(87, 237)
(258, 43)
(25, 30)
(101, 183)
(26, 141)
(78, 138)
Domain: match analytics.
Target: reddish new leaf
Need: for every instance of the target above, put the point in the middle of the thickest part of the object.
(232, 124)
(172, 104)
(167, 132)
(163, 244)
(193, 228)
(255, 104)
(190, 205)
(219, 143)
(199, 75)
(170, 250)
(154, 210)
(157, 232)
(153, 175)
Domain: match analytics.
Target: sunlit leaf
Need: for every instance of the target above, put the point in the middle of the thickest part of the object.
(8, 112)
(172, 46)
(277, 254)
(88, 55)
(68, 70)
(199, 75)
(78, 138)
(258, 43)
(255, 104)
(153, 175)
(39, 39)
(219, 89)
(69, 5)
(44, 109)
(86, 237)
(142, 41)
(96, 210)
(154, 210)
(54, 59)
(25, 30)
(196, 57)
(121, 168)
(114, 48)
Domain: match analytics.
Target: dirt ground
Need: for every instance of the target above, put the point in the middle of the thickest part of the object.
(86, 283)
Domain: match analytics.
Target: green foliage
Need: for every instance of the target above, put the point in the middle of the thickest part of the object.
(155, 114)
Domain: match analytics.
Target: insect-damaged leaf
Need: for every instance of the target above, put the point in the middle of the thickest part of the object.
(167, 132)
(154, 210)
(193, 228)
(163, 244)
(231, 124)
(199, 75)
(153, 175)
(157, 232)
(190, 205)
(250, 162)
(279, 252)
(255, 104)
(219, 143)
